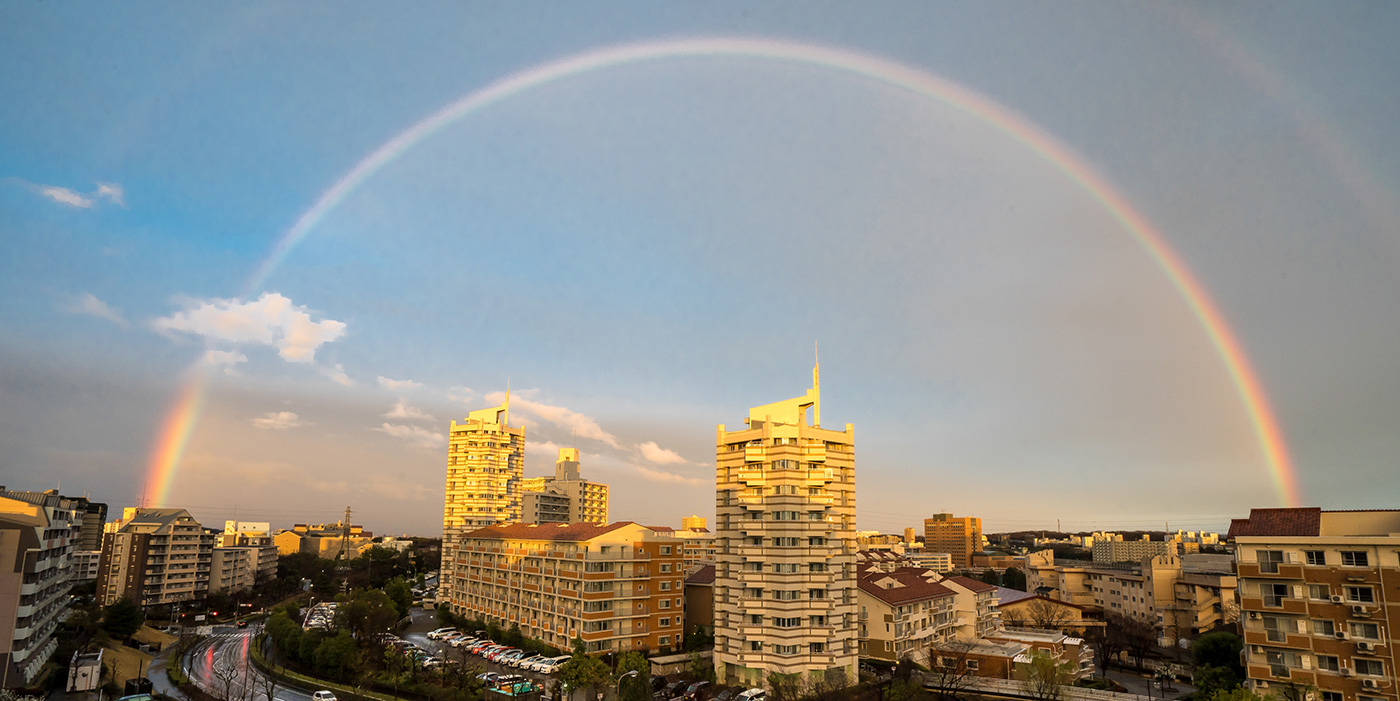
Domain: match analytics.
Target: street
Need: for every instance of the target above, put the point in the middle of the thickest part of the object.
(220, 665)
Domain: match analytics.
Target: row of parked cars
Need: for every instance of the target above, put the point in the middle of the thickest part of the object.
(504, 655)
(424, 658)
(685, 690)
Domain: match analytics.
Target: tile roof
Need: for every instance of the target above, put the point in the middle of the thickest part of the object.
(915, 586)
(547, 531)
(704, 575)
(972, 584)
(1305, 521)
(1006, 596)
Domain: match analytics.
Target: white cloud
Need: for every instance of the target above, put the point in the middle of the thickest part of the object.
(227, 359)
(663, 476)
(388, 383)
(337, 373)
(402, 410)
(271, 320)
(277, 420)
(63, 195)
(579, 425)
(90, 304)
(661, 456)
(461, 394)
(413, 434)
(112, 192)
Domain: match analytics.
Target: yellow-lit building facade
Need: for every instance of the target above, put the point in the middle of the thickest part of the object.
(785, 576)
(485, 466)
(959, 536)
(564, 498)
(619, 587)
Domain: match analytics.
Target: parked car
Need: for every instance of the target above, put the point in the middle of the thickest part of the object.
(658, 683)
(674, 689)
(488, 677)
(554, 665)
(322, 695)
(440, 632)
(699, 691)
(727, 694)
(751, 695)
(464, 641)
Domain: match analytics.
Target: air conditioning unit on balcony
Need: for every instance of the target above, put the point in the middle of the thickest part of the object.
(1337, 599)
(1258, 649)
(1253, 615)
(1370, 684)
(1346, 671)
(1342, 635)
(1360, 612)
(1366, 647)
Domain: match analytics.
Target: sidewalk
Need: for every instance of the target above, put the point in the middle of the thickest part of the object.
(1142, 686)
(160, 682)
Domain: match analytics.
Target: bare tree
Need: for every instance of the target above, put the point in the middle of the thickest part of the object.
(225, 675)
(1044, 677)
(1106, 642)
(949, 674)
(1139, 636)
(1040, 613)
(267, 684)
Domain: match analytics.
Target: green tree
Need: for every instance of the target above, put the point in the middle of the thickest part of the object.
(701, 669)
(367, 613)
(123, 618)
(785, 687)
(513, 637)
(1044, 677)
(1014, 578)
(336, 653)
(1210, 679)
(584, 672)
(637, 686)
(400, 594)
(989, 576)
(1219, 649)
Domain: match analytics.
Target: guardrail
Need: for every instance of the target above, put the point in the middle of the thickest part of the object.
(1010, 687)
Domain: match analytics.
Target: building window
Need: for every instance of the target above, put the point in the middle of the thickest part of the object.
(816, 567)
(755, 619)
(755, 646)
(816, 541)
(1355, 558)
(785, 595)
(665, 567)
(1327, 628)
(1269, 560)
(665, 586)
(818, 648)
(665, 622)
(665, 603)
(785, 649)
(1274, 594)
(664, 640)
(1365, 630)
(1361, 595)
(1321, 592)
(784, 542)
(1371, 667)
(1328, 662)
(785, 567)
(665, 550)
(787, 622)
(1275, 629)
(1315, 557)
(678, 602)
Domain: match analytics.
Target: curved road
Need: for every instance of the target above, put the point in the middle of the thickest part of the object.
(220, 666)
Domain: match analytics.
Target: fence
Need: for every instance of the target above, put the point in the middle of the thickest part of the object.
(1008, 687)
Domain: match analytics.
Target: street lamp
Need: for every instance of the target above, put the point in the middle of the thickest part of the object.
(617, 688)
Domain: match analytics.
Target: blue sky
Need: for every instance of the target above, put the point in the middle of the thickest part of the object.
(646, 251)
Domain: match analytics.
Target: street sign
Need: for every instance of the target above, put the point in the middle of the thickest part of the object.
(199, 617)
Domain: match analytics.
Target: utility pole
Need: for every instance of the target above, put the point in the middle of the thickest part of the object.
(345, 540)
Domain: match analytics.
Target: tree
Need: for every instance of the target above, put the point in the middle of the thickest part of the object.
(400, 594)
(1210, 679)
(637, 686)
(336, 653)
(1014, 578)
(989, 576)
(1220, 649)
(1139, 637)
(1042, 613)
(1106, 642)
(123, 618)
(949, 674)
(367, 613)
(784, 687)
(701, 669)
(1044, 677)
(584, 672)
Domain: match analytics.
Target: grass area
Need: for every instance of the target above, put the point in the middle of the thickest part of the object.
(286, 675)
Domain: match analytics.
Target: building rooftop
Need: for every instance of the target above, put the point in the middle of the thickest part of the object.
(972, 584)
(704, 575)
(548, 531)
(902, 586)
(1006, 596)
(1305, 521)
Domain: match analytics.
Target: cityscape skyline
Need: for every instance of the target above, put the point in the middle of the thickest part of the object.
(1114, 253)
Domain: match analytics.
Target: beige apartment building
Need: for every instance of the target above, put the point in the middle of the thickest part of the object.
(959, 536)
(324, 540)
(904, 613)
(1320, 601)
(35, 576)
(155, 556)
(485, 465)
(785, 576)
(564, 498)
(694, 523)
(618, 587)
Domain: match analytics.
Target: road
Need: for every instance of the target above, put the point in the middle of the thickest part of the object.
(220, 665)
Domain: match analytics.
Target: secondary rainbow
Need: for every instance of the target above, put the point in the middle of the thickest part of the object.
(183, 415)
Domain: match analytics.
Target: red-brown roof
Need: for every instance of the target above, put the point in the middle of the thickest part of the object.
(662, 529)
(915, 586)
(547, 531)
(704, 575)
(1305, 521)
(971, 583)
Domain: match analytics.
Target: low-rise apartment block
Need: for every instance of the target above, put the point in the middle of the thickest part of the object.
(155, 557)
(904, 612)
(1004, 653)
(324, 540)
(1320, 601)
(35, 576)
(618, 587)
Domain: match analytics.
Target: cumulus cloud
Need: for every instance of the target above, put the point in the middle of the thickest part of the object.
(413, 434)
(663, 476)
(111, 192)
(277, 420)
(271, 319)
(388, 383)
(226, 359)
(461, 394)
(402, 410)
(661, 456)
(337, 373)
(91, 305)
(578, 424)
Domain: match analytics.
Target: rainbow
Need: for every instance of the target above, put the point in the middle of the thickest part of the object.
(174, 435)
(181, 418)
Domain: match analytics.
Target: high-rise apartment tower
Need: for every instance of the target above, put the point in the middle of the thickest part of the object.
(564, 498)
(785, 579)
(485, 465)
(958, 536)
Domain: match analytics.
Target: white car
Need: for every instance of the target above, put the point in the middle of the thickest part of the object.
(322, 695)
(752, 695)
(441, 632)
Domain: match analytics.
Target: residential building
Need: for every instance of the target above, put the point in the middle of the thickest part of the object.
(86, 565)
(153, 557)
(700, 599)
(881, 560)
(92, 518)
(1319, 601)
(959, 536)
(618, 587)
(1023, 610)
(35, 576)
(941, 563)
(1109, 551)
(233, 569)
(785, 575)
(564, 498)
(263, 551)
(976, 603)
(694, 523)
(904, 613)
(324, 540)
(485, 465)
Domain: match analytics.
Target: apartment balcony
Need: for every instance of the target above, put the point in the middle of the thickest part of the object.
(1297, 607)
(1278, 639)
(755, 453)
(1273, 570)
